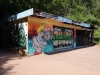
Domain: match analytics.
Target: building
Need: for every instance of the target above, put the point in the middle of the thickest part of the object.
(33, 32)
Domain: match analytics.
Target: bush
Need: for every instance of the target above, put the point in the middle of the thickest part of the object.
(97, 36)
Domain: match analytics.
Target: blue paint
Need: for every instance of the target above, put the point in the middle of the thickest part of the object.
(74, 42)
(31, 50)
(49, 47)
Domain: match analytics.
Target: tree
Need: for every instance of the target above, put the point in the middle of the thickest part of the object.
(78, 10)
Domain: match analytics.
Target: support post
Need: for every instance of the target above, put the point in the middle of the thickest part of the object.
(74, 38)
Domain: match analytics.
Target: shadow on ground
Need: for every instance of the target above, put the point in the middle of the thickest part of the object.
(5, 57)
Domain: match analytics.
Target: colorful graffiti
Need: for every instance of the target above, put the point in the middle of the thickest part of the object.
(22, 37)
(39, 39)
(63, 37)
(16, 35)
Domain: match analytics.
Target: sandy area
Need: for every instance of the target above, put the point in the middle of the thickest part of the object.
(85, 61)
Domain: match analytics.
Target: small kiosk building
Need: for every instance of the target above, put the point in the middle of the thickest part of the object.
(34, 32)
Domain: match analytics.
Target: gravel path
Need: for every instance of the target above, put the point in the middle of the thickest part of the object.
(85, 61)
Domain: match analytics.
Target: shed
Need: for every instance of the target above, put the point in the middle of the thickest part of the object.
(34, 32)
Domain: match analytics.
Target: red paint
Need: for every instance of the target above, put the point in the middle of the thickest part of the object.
(36, 53)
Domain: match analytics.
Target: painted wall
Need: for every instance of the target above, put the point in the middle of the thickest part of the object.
(17, 35)
(39, 38)
(46, 38)
(23, 34)
(62, 38)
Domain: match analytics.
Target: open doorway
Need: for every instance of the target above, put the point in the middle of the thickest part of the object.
(80, 37)
(83, 37)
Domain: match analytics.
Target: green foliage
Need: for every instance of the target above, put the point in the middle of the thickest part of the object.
(97, 36)
(79, 10)
(97, 12)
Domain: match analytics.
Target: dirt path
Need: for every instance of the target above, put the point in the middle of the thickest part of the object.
(85, 61)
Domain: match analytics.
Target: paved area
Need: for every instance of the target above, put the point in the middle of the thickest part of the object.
(85, 61)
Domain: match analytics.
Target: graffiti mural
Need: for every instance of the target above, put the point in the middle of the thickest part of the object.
(62, 38)
(39, 38)
(38, 41)
(22, 37)
(17, 35)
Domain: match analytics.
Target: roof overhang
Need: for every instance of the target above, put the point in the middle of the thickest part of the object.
(39, 13)
(21, 15)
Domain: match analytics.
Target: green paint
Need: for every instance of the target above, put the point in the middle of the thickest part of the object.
(22, 38)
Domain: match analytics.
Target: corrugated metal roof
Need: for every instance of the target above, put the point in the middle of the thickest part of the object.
(66, 20)
(45, 15)
(84, 24)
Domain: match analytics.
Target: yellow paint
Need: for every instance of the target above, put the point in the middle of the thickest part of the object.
(40, 28)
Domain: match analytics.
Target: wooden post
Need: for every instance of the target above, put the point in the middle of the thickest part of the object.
(74, 38)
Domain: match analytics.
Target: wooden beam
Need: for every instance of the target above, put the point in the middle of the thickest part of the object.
(47, 21)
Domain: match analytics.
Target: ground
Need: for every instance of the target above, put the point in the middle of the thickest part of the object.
(85, 61)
